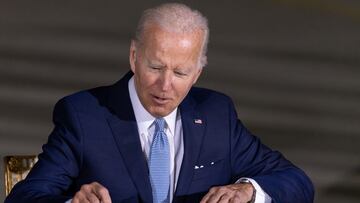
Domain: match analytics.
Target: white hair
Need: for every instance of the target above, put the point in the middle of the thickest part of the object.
(175, 17)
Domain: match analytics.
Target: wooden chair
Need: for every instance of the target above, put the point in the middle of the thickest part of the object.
(16, 168)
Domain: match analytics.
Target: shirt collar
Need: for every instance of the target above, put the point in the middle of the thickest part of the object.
(143, 118)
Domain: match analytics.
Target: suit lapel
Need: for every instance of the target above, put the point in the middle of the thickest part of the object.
(193, 132)
(125, 134)
(124, 127)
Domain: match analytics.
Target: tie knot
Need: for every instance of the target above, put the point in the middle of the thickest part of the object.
(159, 124)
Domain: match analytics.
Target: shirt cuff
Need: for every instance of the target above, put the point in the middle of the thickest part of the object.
(260, 196)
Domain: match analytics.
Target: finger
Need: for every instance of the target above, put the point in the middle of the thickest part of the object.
(101, 192)
(208, 195)
(79, 198)
(87, 194)
(225, 198)
(93, 198)
(206, 199)
(216, 194)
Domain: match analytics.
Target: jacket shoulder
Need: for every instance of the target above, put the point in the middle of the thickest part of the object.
(207, 96)
(85, 99)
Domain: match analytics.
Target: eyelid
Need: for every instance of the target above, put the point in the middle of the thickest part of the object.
(182, 73)
(155, 66)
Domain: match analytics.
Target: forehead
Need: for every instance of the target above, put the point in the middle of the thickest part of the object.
(157, 39)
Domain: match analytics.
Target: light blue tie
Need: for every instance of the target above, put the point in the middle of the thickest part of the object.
(159, 164)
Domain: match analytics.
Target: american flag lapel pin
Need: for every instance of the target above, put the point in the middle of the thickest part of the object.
(198, 121)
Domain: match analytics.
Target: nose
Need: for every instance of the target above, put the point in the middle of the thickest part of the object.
(166, 81)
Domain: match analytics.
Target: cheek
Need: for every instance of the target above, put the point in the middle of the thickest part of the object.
(182, 89)
(148, 81)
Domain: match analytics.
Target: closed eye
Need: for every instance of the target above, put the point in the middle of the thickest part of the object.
(155, 67)
(180, 73)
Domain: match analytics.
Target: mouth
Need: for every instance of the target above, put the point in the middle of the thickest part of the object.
(160, 100)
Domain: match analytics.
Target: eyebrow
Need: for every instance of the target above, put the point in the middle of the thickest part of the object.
(155, 62)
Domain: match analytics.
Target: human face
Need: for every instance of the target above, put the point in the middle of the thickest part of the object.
(165, 67)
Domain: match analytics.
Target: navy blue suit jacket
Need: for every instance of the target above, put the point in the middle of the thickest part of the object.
(96, 139)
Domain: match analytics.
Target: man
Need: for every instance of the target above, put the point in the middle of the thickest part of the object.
(152, 137)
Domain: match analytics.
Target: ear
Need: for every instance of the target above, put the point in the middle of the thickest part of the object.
(132, 55)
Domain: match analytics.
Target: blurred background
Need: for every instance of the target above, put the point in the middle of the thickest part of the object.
(292, 68)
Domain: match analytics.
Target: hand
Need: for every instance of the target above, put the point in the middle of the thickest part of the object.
(237, 193)
(92, 193)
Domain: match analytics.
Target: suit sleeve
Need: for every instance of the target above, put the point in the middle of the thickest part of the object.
(58, 164)
(278, 177)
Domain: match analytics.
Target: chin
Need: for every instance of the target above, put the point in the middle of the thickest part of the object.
(160, 112)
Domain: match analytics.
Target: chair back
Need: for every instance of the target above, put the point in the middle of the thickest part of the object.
(16, 169)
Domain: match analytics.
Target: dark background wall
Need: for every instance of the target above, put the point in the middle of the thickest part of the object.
(291, 67)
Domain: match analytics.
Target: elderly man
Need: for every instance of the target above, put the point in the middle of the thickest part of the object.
(152, 137)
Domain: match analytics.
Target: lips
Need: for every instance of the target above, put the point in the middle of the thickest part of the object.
(160, 100)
